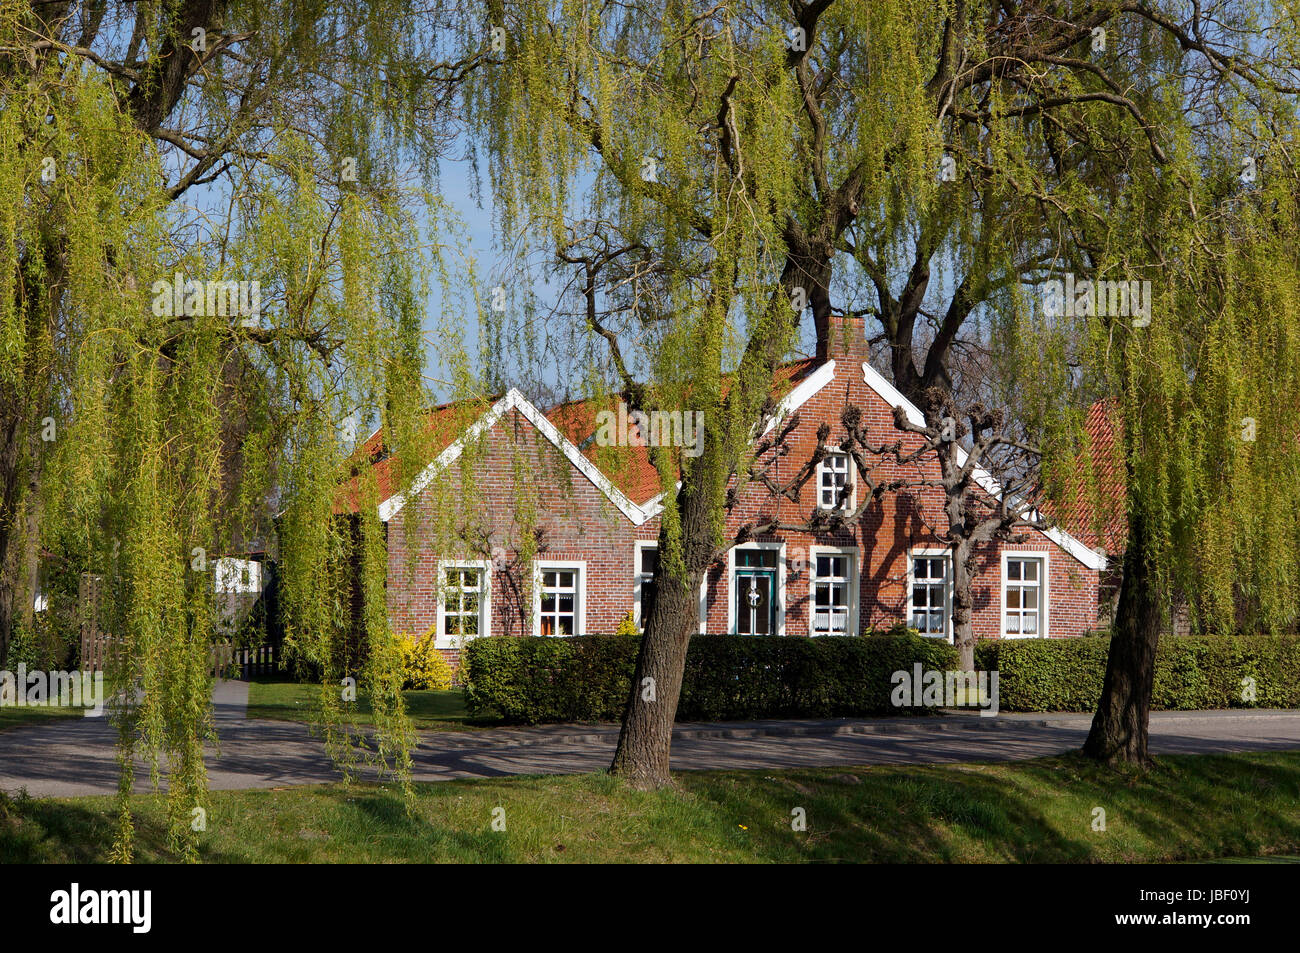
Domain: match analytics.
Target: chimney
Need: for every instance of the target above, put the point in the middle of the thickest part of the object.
(841, 337)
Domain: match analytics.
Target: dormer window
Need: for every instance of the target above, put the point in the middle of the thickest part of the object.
(833, 477)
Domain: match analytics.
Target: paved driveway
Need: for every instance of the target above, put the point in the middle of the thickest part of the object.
(76, 756)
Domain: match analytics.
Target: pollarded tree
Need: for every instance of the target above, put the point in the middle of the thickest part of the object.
(208, 259)
(987, 474)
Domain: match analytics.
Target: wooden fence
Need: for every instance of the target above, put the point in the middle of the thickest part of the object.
(98, 648)
(232, 661)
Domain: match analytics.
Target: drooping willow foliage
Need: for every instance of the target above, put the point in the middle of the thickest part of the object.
(1202, 393)
(665, 147)
(292, 188)
(930, 165)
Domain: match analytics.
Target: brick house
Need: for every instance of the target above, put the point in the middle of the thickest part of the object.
(543, 541)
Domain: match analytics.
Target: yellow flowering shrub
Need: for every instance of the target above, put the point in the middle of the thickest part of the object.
(424, 665)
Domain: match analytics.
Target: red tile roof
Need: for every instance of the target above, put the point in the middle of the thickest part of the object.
(628, 468)
(446, 423)
(1098, 515)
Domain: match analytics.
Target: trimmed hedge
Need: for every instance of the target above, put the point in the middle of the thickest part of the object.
(728, 677)
(1192, 672)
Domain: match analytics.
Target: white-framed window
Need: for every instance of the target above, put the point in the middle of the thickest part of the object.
(834, 598)
(647, 562)
(464, 601)
(833, 475)
(929, 584)
(1024, 595)
(560, 604)
(756, 573)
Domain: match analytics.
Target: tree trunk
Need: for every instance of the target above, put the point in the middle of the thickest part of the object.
(10, 482)
(1119, 729)
(645, 741)
(26, 389)
(963, 587)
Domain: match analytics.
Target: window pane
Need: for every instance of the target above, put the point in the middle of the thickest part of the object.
(1031, 623)
(548, 580)
(918, 596)
(649, 559)
(1031, 598)
(1013, 598)
(1031, 569)
(1013, 569)
(647, 599)
(1013, 622)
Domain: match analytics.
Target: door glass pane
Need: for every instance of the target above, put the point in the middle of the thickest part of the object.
(753, 603)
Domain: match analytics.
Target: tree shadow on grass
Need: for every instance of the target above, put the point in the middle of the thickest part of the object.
(48, 831)
(1035, 812)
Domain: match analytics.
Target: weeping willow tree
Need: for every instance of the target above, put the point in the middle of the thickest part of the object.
(1174, 302)
(709, 175)
(1208, 407)
(701, 240)
(213, 255)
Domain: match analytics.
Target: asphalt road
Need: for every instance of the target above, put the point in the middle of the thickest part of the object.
(76, 756)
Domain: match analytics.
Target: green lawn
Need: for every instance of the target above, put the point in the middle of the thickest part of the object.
(1189, 807)
(16, 717)
(429, 710)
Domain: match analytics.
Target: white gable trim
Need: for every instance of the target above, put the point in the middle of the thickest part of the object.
(574, 455)
(514, 401)
(891, 395)
(801, 394)
(798, 396)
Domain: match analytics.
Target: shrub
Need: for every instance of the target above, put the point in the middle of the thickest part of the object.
(423, 665)
(727, 677)
(1192, 672)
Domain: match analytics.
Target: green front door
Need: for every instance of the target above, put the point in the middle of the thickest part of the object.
(753, 587)
(755, 605)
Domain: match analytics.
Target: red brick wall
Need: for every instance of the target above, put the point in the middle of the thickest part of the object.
(514, 468)
(575, 520)
(890, 528)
